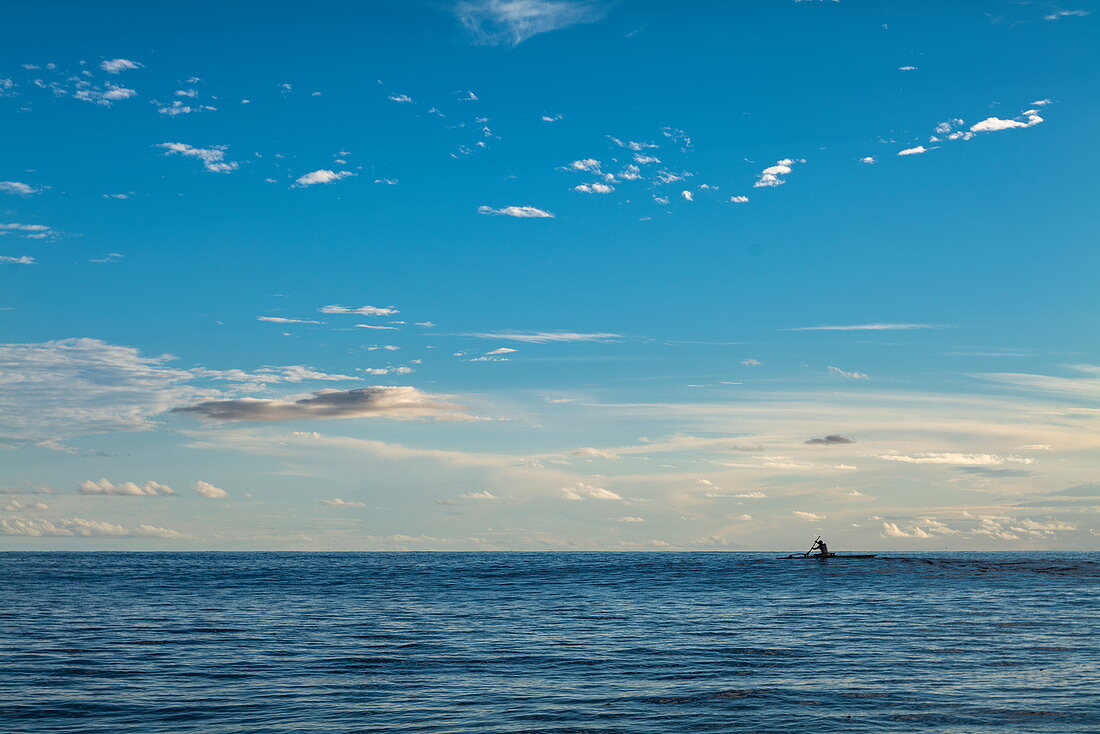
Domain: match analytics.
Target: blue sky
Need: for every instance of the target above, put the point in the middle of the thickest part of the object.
(523, 274)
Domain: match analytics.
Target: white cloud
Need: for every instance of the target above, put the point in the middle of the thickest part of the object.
(849, 375)
(131, 489)
(209, 491)
(994, 124)
(337, 502)
(869, 160)
(582, 491)
(361, 310)
(750, 362)
(775, 175)
(891, 530)
(17, 187)
(739, 199)
(958, 459)
(114, 66)
(179, 108)
(83, 386)
(1065, 14)
(502, 350)
(914, 151)
(590, 165)
(593, 453)
(34, 231)
(80, 528)
(632, 145)
(16, 505)
(478, 496)
(594, 188)
(321, 176)
(687, 195)
(511, 22)
(867, 327)
(17, 260)
(630, 518)
(808, 516)
(907, 68)
(540, 337)
(523, 212)
(667, 177)
(285, 320)
(400, 98)
(269, 375)
(213, 158)
(388, 370)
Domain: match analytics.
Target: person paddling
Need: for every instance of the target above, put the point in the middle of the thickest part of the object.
(819, 545)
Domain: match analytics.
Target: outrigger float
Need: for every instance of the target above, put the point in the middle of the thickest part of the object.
(824, 554)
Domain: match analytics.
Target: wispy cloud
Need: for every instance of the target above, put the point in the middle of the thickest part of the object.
(337, 502)
(114, 66)
(848, 375)
(1058, 14)
(360, 310)
(958, 459)
(867, 327)
(80, 386)
(582, 491)
(1085, 384)
(29, 231)
(17, 187)
(523, 212)
(539, 337)
(594, 188)
(78, 527)
(511, 22)
(131, 489)
(213, 158)
(285, 320)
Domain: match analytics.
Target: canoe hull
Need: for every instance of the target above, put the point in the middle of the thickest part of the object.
(833, 556)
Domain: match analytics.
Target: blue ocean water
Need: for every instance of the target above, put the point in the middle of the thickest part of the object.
(547, 642)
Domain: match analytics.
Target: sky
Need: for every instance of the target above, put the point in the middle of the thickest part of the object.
(549, 275)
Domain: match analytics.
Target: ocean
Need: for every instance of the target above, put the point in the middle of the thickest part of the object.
(490, 643)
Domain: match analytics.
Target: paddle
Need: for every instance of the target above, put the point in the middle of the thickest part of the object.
(811, 550)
